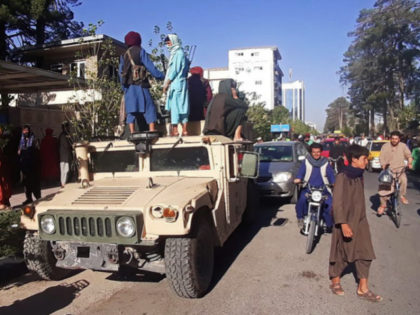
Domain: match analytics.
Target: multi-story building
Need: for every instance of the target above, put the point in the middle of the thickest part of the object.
(256, 71)
(294, 99)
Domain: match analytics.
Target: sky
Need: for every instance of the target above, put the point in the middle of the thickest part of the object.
(312, 35)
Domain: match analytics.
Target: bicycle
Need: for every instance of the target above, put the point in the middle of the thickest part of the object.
(393, 203)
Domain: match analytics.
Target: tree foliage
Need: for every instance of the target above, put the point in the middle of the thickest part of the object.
(381, 65)
(338, 115)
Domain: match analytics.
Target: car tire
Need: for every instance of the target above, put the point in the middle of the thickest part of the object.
(40, 259)
(189, 262)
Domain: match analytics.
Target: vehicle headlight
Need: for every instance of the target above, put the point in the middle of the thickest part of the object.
(282, 177)
(48, 224)
(316, 196)
(126, 226)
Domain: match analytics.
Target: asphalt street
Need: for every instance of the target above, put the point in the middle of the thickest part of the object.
(262, 269)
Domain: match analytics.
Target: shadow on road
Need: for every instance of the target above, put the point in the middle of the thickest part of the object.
(225, 256)
(48, 301)
(133, 275)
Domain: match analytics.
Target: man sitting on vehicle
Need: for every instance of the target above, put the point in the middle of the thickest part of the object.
(394, 154)
(337, 153)
(317, 172)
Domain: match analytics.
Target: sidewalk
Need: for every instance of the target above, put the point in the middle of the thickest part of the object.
(20, 197)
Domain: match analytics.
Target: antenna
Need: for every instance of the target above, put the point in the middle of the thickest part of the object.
(290, 74)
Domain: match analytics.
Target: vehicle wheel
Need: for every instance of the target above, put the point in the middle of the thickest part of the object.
(252, 204)
(395, 212)
(295, 196)
(311, 237)
(189, 262)
(40, 259)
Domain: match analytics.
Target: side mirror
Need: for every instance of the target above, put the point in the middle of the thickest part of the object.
(301, 157)
(249, 165)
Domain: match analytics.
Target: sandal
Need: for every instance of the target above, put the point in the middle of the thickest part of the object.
(370, 296)
(337, 289)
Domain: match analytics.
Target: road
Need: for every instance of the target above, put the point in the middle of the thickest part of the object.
(262, 269)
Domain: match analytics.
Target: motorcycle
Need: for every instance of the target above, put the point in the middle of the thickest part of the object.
(334, 163)
(313, 224)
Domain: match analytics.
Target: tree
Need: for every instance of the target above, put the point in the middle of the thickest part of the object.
(280, 115)
(381, 65)
(261, 120)
(337, 115)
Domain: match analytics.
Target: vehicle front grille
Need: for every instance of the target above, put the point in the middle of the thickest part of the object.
(263, 179)
(91, 226)
(105, 195)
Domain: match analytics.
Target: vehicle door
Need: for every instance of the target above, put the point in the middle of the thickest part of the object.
(300, 153)
(236, 188)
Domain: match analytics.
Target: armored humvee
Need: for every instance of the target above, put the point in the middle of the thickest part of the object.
(154, 204)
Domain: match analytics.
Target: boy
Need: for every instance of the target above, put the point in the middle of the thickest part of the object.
(351, 242)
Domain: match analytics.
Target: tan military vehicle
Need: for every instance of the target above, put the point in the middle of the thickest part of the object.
(154, 204)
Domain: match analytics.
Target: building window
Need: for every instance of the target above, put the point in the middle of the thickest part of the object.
(258, 68)
(79, 69)
(259, 82)
(239, 54)
(255, 54)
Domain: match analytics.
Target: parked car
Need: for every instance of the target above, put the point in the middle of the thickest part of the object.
(375, 147)
(279, 164)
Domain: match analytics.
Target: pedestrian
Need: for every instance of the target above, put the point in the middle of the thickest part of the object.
(50, 170)
(29, 161)
(176, 85)
(363, 141)
(351, 242)
(317, 172)
(209, 93)
(227, 112)
(65, 150)
(394, 154)
(197, 97)
(135, 66)
(5, 184)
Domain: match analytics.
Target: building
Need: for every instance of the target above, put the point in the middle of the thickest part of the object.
(294, 99)
(256, 71)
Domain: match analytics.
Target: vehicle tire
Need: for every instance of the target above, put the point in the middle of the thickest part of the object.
(295, 196)
(395, 212)
(311, 237)
(252, 204)
(40, 259)
(189, 262)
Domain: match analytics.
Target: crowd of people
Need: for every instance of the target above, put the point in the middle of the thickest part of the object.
(188, 94)
(344, 210)
(26, 160)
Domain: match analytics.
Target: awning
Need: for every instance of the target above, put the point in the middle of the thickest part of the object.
(21, 79)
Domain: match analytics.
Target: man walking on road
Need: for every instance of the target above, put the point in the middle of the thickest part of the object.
(394, 154)
(65, 151)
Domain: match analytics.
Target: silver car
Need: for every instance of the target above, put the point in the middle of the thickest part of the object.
(279, 164)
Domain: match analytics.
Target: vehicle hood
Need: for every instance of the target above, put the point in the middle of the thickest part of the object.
(271, 168)
(374, 154)
(128, 194)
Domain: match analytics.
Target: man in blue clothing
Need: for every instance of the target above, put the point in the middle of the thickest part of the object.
(138, 100)
(316, 171)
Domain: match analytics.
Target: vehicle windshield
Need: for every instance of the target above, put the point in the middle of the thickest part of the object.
(114, 161)
(376, 146)
(275, 153)
(179, 159)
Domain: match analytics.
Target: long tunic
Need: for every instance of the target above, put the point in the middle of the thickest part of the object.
(349, 207)
(177, 101)
(138, 99)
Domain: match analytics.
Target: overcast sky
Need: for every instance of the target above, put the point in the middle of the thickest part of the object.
(311, 34)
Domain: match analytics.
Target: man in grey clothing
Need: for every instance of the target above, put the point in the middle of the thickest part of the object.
(65, 150)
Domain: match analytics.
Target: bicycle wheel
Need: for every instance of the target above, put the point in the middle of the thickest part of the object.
(395, 211)
(311, 237)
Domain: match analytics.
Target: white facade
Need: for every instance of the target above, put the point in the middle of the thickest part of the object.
(256, 71)
(294, 99)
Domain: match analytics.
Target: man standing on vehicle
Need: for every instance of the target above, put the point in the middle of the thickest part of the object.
(394, 154)
(317, 172)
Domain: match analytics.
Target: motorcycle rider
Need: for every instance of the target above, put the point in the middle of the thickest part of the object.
(316, 171)
(337, 151)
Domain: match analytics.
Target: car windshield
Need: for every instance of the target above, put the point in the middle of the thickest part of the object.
(376, 146)
(275, 153)
(114, 161)
(179, 159)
